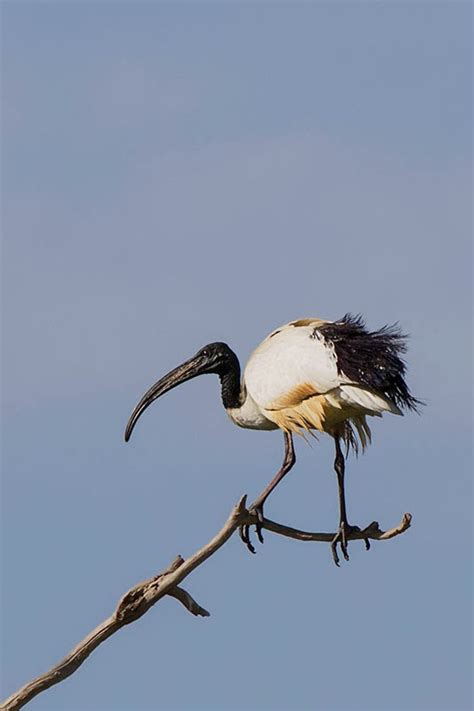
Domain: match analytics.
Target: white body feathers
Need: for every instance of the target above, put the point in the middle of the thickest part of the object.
(292, 381)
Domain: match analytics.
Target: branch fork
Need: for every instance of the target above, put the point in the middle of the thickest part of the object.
(141, 597)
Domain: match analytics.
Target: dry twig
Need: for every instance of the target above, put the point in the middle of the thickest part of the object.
(141, 597)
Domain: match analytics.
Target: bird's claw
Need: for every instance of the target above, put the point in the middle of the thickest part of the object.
(245, 537)
(244, 531)
(341, 537)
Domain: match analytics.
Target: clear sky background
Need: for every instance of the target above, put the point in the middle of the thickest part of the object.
(179, 173)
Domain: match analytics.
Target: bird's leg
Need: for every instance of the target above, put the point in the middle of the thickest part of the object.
(257, 506)
(344, 527)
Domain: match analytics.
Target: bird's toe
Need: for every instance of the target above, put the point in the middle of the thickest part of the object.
(244, 531)
(341, 538)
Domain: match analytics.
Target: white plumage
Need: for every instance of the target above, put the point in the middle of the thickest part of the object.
(293, 381)
(289, 357)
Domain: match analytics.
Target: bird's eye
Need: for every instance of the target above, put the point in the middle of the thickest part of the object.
(205, 352)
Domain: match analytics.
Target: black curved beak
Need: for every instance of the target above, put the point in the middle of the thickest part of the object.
(192, 368)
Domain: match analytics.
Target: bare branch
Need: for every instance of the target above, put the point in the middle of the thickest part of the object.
(132, 605)
(372, 531)
(189, 602)
(141, 597)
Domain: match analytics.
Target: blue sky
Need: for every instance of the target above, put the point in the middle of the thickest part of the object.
(179, 173)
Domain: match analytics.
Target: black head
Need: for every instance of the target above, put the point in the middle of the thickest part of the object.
(215, 358)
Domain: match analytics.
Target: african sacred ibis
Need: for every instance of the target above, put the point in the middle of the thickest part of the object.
(307, 375)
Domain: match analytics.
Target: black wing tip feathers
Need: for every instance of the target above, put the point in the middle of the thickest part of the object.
(373, 358)
(356, 320)
(356, 323)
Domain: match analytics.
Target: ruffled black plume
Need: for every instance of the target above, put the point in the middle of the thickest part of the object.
(372, 358)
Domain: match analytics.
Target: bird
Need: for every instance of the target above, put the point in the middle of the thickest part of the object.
(308, 376)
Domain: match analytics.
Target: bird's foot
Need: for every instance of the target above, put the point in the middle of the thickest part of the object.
(341, 537)
(244, 531)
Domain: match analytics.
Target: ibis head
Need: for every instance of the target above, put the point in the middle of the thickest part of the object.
(215, 358)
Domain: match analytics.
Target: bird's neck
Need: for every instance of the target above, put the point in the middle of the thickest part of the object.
(230, 383)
